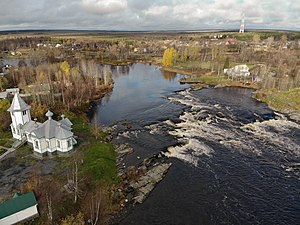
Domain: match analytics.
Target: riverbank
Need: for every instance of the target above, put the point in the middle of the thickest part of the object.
(137, 182)
(94, 158)
(116, 62)
(207, 78)
(287, 102)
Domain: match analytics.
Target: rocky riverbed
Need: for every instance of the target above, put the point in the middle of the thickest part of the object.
(137, 182)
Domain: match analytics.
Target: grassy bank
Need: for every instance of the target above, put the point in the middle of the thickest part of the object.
(95, 150)
(100, 162)
(285, 101)
(6, 138)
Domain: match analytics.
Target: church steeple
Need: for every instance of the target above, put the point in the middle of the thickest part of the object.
(20, 115)
(18, 104)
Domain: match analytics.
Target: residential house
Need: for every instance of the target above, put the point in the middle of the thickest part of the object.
(238, 71)
(19, 209)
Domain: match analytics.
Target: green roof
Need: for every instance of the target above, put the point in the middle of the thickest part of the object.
(17, 204)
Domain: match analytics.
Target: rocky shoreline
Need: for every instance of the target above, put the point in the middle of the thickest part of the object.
(137, 182)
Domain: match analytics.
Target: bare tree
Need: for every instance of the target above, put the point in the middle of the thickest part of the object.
(95, 205)
(72, 185)
(49, 207)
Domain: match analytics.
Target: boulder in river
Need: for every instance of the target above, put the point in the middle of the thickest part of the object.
(147, 182)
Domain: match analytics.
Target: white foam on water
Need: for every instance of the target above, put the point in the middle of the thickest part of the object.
(275, 132)
(169, 123)
(158, 128)
(154, 128)
(191, 130)
(129, 134)
(186, 98)
(197, 124)
(190, 151)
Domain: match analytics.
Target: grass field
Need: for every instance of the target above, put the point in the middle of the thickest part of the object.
(281, 100)
(99, 157)
(2, 151)
(99, 161)
(6, 138)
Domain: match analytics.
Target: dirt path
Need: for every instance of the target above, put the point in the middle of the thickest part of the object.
(17, 144)
(8, 151)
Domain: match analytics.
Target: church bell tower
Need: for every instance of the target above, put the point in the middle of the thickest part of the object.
(20, 115)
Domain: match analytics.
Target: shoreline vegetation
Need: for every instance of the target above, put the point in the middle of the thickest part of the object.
(287, 102)
(105, 189)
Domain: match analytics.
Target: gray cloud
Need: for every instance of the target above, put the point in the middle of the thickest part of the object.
(104, 6)
(143, 15)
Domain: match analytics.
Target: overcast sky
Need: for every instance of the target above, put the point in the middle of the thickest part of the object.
(148, 14)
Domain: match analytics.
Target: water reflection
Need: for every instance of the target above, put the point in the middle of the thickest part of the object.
(116, 70)
(170, 76)
(138, 89)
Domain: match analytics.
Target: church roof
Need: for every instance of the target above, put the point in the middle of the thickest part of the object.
(66, 122)
(62, 133)
(18, 104)
(31, 125)
(53, 129)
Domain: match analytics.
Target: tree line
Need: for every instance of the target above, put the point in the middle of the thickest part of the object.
(52, 83)
(276, 64)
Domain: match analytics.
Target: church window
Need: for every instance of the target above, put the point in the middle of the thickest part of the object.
(24, 112)
(69, 143)
(58, 144)
(36, 143)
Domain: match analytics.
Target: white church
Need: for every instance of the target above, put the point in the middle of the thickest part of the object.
(48, 137)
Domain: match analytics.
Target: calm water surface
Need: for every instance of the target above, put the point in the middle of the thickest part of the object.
(235, 161)
(139, 92)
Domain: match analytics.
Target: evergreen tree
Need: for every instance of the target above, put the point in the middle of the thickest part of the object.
(184, 55)
(226, 63)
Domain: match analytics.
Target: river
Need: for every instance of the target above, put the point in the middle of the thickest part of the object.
(235, 161)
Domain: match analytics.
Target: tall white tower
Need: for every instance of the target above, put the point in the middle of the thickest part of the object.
(20, 115)
(242, 26)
